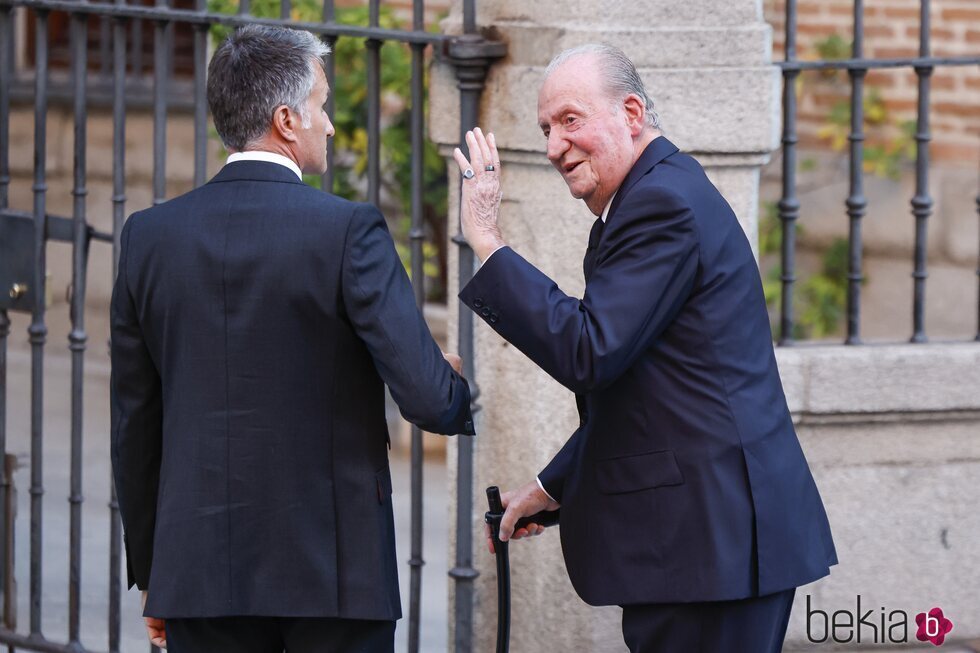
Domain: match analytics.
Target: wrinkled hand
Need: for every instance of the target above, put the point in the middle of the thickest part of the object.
(522, 502)
(480, 201)
(454, 361)
(156, 629)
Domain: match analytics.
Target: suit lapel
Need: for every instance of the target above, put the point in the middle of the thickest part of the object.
(658, 150)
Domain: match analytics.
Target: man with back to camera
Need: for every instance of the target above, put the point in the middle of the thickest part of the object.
(685, 496)
(255, 322)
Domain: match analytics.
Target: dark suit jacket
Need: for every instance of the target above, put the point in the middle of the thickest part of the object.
(685, 481)
(255, 321)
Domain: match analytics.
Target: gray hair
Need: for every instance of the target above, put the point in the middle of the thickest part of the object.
(255, 70)
(621, 78)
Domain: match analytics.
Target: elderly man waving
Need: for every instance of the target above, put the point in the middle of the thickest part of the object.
(685, 495)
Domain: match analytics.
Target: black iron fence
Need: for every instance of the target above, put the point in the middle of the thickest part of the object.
(856, 204)
(24, 237)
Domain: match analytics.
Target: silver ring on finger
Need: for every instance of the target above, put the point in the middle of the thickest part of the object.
(489, 168)
(468, 173)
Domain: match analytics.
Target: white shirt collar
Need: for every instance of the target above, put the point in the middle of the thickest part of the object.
(605, 211)
(268, 157)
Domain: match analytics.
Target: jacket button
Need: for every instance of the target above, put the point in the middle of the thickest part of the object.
(477, 303)
(485, 312)
(493, 318)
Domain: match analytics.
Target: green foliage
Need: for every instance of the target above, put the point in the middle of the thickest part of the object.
(892, 144)
(820, 299)
(833, 48)
(349, 95)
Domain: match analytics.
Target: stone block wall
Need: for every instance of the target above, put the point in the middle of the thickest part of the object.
(891, 434)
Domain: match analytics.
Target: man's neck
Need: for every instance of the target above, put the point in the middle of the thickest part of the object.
(281, 149)
(639, 146)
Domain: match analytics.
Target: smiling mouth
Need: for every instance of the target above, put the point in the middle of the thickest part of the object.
(572, 166)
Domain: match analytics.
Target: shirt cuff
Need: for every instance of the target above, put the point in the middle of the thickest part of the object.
(483, 263)
(540, 485)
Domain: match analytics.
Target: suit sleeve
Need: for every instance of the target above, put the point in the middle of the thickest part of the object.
(552, 477)
(137, 425)
(380, 302)
(645, 271)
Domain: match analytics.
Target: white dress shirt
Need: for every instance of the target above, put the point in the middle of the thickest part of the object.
(268, 157)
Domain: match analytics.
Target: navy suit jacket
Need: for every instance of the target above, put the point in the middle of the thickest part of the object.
(685, 480)
(255, 321)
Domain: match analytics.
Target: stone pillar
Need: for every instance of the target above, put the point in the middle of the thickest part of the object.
(706, 64)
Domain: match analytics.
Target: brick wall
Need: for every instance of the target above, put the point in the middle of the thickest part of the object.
(891, 30)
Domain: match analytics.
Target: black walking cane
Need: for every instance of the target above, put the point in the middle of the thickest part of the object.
(493, 517)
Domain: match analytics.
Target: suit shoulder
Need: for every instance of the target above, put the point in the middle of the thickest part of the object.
(163, 212)
(682, 173)
(656, 194)
(332, 205)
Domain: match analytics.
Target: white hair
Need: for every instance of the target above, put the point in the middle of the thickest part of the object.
(621, 78)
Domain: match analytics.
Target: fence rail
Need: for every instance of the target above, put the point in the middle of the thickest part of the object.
(857, 204)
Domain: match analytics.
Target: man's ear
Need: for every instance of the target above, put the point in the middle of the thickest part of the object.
(636, 112)
(285, 122)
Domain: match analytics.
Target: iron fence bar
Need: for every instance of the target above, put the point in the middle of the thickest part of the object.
(39, 643)
(463, 573)
(416, 238)
(329, 68)
(118, 217)
(160, 83)
(326, 179)
(6, 73)
(77, 337)
(922, 201)
(9, 516)
(856, 202)
(469, 17)
(118, 136)
(244, 7)
(200, 99)
(471, 56)
(373, 53)
(137, 62)
(105, 45)
(789, 205)
(38, 330)
(231, 20)
(859, 63)
(5, 571)
(285, 8)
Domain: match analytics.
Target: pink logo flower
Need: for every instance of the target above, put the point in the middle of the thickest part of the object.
(933, 626)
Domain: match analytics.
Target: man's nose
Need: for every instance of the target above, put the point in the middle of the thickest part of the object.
(557, 146)
(330, 130)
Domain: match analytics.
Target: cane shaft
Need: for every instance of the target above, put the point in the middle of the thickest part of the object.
(503, 595)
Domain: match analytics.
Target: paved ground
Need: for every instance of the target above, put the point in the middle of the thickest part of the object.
(96, 483)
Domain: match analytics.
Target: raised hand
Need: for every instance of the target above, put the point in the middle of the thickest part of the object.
(480, 200)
